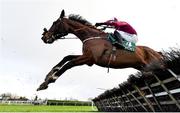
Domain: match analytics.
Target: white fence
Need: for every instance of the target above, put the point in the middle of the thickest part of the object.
(38, 102)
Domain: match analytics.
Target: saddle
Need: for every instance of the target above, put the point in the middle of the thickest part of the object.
(121, 43)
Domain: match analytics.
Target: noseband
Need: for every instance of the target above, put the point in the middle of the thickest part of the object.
(56, 36)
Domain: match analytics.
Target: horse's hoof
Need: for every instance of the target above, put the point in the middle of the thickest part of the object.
(43, 86)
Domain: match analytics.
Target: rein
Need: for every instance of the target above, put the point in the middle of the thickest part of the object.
(91, 38)
(69, 38)
(83, 28)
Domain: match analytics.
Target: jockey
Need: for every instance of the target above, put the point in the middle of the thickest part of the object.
(122, 30)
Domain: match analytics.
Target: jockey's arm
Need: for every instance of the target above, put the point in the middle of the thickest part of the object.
(99, 24)
(113, 24)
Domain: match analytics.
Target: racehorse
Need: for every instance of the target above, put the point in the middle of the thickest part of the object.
(96, 48)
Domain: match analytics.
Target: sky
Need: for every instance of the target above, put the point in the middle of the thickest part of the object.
(25, 59)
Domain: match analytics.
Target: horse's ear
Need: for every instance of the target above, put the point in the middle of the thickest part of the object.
(62, 14)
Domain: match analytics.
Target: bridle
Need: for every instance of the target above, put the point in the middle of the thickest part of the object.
(62, 35)
(56, 36)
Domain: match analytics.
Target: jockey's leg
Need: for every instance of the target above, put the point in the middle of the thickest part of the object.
(119, 39)
(118, 36)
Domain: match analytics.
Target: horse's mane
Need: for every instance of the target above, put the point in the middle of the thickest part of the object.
(80, 19)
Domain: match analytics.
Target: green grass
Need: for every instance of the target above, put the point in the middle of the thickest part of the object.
(44, 108)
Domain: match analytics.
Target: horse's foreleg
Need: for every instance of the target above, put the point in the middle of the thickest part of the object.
(65, 59)
(60, 64)
(74, 62)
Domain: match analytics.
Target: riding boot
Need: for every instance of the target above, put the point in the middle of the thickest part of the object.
(119, 39)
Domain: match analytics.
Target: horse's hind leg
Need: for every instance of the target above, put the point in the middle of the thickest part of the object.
(60, 64)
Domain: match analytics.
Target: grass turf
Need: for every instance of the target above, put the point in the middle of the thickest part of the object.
(44, 108)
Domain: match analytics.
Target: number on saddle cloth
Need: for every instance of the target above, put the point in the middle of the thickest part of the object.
(130, 46)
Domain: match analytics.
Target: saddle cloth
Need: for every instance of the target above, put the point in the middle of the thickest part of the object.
(130, 46)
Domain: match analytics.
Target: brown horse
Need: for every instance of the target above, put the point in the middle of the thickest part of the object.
(96, 48)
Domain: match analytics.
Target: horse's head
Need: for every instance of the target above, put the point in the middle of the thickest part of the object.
(74, 24)
(57, 30)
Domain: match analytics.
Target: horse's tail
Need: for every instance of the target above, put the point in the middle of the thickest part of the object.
(160, 53)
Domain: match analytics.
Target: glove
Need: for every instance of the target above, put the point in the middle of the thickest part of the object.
(98, 24)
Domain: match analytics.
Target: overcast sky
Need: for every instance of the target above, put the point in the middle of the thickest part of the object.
(25, 59)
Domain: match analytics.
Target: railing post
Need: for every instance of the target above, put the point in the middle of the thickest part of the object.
(102, 105)
(105, 104)
(122, 106)
(129, 100)
(145, 99)
(168, 92)
(118, 102)
(176, 76)
(154, 97)
(109, 103)
(137, 101)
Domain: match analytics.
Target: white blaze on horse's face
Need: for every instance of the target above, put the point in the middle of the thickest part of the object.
(48, 37)
(54, 33)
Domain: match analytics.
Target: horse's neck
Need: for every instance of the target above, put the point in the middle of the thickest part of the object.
(83, 32)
